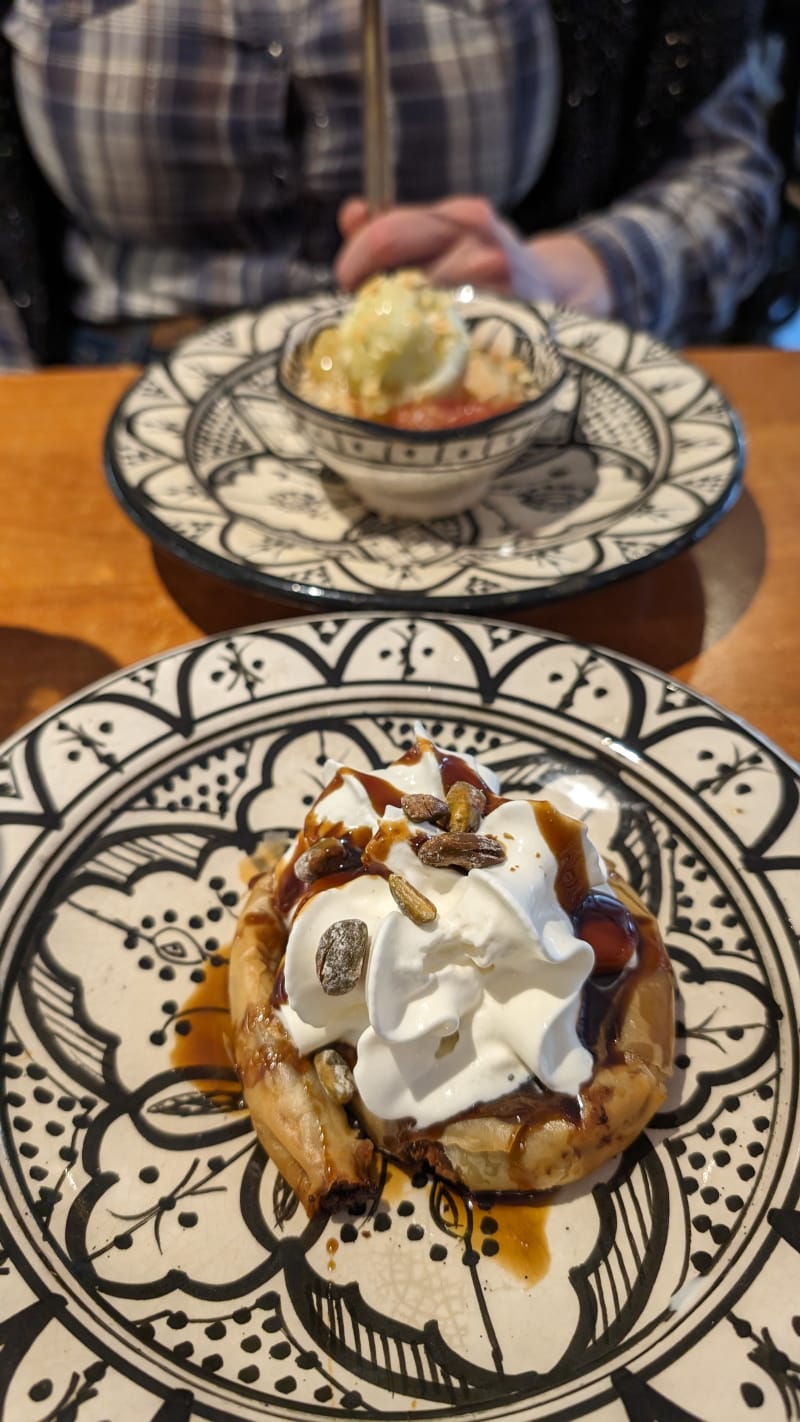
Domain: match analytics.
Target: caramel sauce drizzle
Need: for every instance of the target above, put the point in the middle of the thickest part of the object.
(291, 892)
(518, 1228)
(511, 1231)
(208, 1042)
(452, 769)
(564, 839)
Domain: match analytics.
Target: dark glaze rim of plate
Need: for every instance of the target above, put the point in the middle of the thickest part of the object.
(125, 813)
(643, 459)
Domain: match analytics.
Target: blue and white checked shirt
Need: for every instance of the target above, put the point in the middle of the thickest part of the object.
(203, 147)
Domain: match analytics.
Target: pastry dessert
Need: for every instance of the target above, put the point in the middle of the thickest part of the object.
(452, 977)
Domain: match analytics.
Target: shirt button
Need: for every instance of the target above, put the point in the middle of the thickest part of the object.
(275, 49)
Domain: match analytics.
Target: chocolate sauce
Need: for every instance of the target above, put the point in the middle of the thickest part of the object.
(288, 888)
(384, 840)
(652, 960)
(290, 891)
(598, 915)
(597, 1015)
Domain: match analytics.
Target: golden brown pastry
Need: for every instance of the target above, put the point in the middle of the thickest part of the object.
(307, 1134)
(459, 974)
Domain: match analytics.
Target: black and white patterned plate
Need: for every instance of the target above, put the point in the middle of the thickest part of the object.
(152, 1264)
(643, 456)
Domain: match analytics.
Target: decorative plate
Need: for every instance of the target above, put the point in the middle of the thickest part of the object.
(639, 459)
(153, 1264)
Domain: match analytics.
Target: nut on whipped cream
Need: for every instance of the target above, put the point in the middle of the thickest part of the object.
(427, 932)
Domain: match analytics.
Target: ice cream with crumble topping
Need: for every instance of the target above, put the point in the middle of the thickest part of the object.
(432, 935)
(401, 355)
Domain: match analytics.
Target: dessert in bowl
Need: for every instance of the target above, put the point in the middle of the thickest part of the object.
(418, 397)
(453, 977)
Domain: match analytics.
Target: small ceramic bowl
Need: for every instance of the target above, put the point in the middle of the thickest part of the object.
(424, 474)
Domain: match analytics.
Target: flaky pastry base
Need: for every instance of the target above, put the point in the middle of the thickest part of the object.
(310, 1138)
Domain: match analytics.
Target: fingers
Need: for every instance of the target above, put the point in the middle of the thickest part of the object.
(472, 261)
(404, 237)
(352, 214)
(574, 271)
(459, 240)
(472, 214)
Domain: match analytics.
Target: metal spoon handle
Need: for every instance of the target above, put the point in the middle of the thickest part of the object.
(378, 165)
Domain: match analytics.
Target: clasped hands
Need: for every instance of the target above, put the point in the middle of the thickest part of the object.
(463, 240)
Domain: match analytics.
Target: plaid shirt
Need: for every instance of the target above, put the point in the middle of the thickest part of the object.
(202, 148)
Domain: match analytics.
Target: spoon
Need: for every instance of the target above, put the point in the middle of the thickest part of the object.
(378, 166)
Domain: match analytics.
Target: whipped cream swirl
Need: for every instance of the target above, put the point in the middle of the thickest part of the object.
(461, 1010)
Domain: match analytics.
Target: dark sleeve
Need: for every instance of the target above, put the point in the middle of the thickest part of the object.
(33, 296)
(683, 248)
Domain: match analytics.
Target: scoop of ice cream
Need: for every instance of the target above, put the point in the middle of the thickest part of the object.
(473, 1003)
(401, 341)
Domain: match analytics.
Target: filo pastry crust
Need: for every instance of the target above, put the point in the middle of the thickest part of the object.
(307, 1134)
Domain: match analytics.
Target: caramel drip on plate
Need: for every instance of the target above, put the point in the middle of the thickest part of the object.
(207, 1043)
(518, 1229)
(509, 1232)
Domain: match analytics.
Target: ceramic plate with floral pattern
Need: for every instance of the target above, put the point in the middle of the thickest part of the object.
(153, 1265)
(640, 456)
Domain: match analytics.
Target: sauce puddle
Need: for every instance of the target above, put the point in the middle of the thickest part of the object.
(510, 1232)
(517, 1229)
(203, 1032)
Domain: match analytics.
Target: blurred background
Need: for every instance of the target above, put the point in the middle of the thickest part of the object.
(772, 314)
(31, 220)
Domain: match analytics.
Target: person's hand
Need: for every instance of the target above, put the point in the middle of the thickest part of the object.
(462, 240)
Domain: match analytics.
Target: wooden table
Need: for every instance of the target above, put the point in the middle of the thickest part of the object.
(83, 592)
